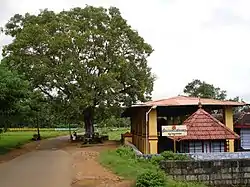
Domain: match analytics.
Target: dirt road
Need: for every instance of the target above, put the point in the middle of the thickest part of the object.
(46, 167)
(57, 163)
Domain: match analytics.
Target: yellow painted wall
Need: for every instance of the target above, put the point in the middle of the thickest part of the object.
(152, 136)
(228, 115)
(137, 128)
(152, 123)
(138, 122)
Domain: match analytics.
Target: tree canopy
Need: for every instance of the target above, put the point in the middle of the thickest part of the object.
(197, 88)
(86, 58)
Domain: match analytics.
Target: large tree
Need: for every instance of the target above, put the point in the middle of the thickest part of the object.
(197, 88)
(87, 58)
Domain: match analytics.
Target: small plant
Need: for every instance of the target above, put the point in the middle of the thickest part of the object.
(125, 151)
(36, 137)
(169, 155)
(18, 145)
(151, 179)
(156, 159)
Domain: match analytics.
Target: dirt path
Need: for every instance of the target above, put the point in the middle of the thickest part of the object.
(88, 171)
(45, 167)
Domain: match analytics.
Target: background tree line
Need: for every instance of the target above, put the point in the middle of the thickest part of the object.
(202, 89)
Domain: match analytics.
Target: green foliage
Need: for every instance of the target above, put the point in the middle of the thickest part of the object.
(114, 122)
(169, 155)
(124, 163)
(14, 90)
(89, 58)
(239, 109)
(125, 151)
(151, 179)
(156, 159)
(113, 134)
(13, 140)
(197, 88)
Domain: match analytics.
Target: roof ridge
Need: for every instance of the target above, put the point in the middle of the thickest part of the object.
(240, 117)
(186, 120)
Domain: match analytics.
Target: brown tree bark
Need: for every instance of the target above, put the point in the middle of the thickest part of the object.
(88, 121)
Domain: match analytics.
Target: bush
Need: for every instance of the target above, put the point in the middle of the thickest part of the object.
(169, 155)
(125, 151)
(151, 179)
(156, 159)
(36, 137)
(18, 145)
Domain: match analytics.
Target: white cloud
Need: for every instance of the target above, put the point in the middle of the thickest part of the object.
(204, 39)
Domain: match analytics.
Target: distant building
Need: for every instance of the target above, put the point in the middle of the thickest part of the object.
(242, 127)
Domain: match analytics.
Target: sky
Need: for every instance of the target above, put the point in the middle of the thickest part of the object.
(195, 39)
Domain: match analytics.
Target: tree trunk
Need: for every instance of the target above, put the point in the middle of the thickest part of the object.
(88, 121)
(38, 129)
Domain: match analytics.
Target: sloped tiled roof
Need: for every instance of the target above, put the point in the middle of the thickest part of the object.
(185, 100)
(203, 126)
(244, 119)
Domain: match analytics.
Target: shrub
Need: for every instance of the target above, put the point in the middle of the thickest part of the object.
(169, 155)
(18, 145)
(125, 151)
(156, 159)
(151, 178)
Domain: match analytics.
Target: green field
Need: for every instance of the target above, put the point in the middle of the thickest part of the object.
(116, 134)
(10, 140)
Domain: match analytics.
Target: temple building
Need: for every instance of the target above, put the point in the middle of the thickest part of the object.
(203, 135)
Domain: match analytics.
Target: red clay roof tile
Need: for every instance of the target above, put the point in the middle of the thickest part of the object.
(185, 100)
(203, 126)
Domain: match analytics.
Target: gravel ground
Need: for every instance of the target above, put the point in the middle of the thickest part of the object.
(88, 171)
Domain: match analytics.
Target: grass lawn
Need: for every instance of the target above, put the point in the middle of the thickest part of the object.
(116, 134)
(10, 140)
(124, 163)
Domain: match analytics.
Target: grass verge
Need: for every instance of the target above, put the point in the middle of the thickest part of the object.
(14, 140)
(125, 163)
(114, 134)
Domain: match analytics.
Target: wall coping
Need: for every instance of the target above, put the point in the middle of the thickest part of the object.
(200, 156)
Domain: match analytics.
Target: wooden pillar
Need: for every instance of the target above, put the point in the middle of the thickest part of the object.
(139, 131)
(152, 132)
(143, 121)
(133, 128)
(228, 120)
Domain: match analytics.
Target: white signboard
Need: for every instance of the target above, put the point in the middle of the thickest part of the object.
(174, 130)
